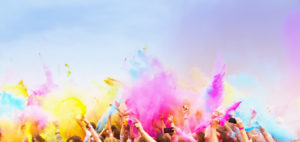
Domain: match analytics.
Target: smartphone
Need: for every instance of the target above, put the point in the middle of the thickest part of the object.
(169, 130)
(232, 120)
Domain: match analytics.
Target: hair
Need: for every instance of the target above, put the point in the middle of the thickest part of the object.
(141, 139)
(111, 139)
(93, 125)
(200, 137)
(113, 127)
(163, 139)
(180, 139)
(116, 134)
(38, 138)
(224, 135)
(74, 139)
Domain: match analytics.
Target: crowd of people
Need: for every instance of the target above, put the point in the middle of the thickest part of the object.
(233, 130)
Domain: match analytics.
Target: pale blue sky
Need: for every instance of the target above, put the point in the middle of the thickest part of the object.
(95, 36)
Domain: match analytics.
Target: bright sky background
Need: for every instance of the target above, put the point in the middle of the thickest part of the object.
(94, 37)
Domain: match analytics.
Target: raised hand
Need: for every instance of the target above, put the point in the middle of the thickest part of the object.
(239, 123)
(137, 124)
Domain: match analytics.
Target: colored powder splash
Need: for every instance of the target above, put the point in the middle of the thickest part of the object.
(227, 114)
(139, 65)
(44, 89)
(149, 98)
(11, 105)
(48, 86)
(68, 67)
(77, 107)
(68, 102)
(19, 89)
(67, 111)
(214, 94)
(65, 104)
(152, 94)
(214, 97)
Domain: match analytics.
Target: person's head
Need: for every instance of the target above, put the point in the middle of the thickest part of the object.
(93, 125)
(225, 134)
(163, 139)
(111, 139)
(180, 139)
(116, 134)
(74, 139)
(37, 138)
(200, 137)
(113, 127)
(141, 139)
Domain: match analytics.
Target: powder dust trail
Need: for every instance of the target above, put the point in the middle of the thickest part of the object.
(37, 94)
(48, 86)
(214, 97)
(228, 111)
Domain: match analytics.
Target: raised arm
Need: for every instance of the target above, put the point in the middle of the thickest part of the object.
(266, 135)
(186, 123)
(109, 126)
(211, 131)
(92, 130)
(240, 125)
(78, 120)
(141, 130)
